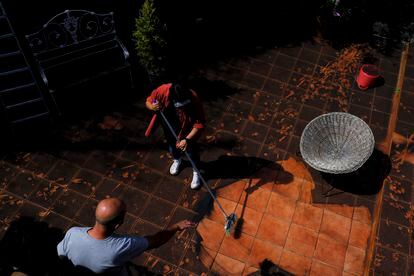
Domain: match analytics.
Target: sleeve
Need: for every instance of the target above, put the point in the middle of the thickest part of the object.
(160, 94)
(152, 96)
(136, 246)
(62, 246)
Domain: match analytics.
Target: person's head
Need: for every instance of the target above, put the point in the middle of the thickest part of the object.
(180, 94)
(110, 213)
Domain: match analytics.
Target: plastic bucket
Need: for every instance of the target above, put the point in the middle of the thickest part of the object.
(368, 76)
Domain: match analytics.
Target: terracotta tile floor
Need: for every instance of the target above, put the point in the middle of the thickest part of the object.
(257, 122)
(297, 235)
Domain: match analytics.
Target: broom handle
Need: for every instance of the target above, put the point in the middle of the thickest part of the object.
(193, 164)
(151, 126)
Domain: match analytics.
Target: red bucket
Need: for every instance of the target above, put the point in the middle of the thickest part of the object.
(368, 76)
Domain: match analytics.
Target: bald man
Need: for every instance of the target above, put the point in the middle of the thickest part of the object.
(99, 250)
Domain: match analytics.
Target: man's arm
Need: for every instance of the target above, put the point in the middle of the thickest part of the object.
(164, 236)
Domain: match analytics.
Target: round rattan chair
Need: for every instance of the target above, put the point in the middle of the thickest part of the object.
(336, 143)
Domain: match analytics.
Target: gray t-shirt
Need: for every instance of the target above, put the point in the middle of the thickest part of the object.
(108, 255)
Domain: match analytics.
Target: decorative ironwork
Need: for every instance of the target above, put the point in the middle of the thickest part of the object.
(70, 27)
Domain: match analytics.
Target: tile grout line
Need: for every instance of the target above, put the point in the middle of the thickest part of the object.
(24, 170)
(287, 234)
(318, 235)
(349, 235)
(279, 101)
(313, 73)
(239, 85)
(391, 128)
(91, 195)
(270, 127)
(244, 125)
(176, 206)
(85, 202)
(302, 103)
(373, 104)
(266, 78)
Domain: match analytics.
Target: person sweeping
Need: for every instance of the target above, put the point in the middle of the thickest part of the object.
(182, 108)
(182, 118)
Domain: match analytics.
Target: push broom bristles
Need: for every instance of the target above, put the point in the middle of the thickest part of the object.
(230, 223)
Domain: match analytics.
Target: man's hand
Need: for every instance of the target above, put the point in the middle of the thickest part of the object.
(182, 145)
(184, 224)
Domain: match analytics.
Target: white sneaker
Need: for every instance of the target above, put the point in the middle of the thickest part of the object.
(175, 166)
(196, 182)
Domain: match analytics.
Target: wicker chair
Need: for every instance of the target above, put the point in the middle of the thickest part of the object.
(336, 143)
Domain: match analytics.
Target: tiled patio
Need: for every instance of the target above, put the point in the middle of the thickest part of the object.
(252, 159)
(283, 224)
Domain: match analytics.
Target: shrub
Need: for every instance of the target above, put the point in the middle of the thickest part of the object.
(149, 35)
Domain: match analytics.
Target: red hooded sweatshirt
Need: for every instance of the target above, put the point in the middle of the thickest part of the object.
(189, 117)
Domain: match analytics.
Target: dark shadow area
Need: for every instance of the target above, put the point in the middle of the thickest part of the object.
(211, 90)
(238, 227)
(132, 270)
(205, 31)
(51, 142)
(108, 93)
(30, 246)
(85, 108)
(370, 58)
(97, 96)
(379, 82)
(199, 33)
(367, 180)
(89, 103)
(268, 268)
(137, 270)
(202, 32)
(237, 167)
(35, 14)
(223, 140)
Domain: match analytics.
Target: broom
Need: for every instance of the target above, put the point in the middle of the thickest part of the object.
(230, 220)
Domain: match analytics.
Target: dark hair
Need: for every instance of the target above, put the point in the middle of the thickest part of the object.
(179, 92)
